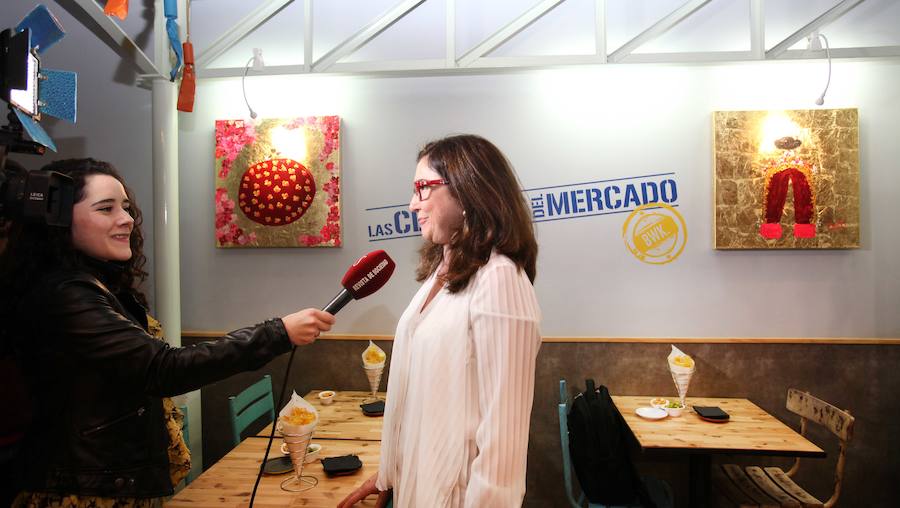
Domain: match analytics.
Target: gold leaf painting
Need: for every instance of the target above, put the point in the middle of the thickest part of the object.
(278, 182)
(787, 179)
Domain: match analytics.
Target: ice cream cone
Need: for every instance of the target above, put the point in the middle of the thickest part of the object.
(374, 375)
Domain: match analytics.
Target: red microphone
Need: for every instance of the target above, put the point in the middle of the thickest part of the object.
(366, 276)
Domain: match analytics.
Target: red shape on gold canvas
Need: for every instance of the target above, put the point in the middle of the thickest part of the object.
(276, 192)
(775, 198)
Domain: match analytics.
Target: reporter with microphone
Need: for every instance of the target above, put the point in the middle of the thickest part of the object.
(104, 432)
(462, 371)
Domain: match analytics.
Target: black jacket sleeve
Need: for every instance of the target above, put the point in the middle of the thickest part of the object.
(90, 324)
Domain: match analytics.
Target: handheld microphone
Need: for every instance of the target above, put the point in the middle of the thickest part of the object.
(366, 276)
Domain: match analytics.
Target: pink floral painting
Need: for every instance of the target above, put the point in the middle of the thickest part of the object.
(278, 182)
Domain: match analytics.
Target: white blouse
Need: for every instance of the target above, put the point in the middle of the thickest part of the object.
(460, 393)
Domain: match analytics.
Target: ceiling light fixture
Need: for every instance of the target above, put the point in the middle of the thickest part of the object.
(814, 43)
(258, 65)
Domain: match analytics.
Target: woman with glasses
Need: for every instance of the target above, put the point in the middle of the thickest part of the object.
(104, 431)
(462, 370)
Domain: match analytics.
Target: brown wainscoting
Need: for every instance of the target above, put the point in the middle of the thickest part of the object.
(862, 375)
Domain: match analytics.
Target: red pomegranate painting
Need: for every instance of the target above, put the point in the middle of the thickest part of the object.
(278, 182)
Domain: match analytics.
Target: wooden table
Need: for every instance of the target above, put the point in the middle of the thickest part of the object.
(229, 482)
(750, 430)
(342, 419)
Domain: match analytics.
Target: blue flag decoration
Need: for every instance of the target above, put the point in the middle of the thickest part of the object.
(170, 9)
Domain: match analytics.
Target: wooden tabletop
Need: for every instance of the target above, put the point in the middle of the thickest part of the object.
(229, 482)
(750, 430)
(342, 419)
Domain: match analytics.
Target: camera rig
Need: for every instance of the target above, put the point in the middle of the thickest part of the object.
(31, 91)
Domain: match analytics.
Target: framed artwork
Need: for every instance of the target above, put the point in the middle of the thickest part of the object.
(278, 182)
(786, 179)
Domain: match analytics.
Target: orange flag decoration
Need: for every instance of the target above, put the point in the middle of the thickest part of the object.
(188, 80)
(117, 8)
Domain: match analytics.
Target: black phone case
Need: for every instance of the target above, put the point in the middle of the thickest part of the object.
(345, 464)
(373, 408)
(711, 412)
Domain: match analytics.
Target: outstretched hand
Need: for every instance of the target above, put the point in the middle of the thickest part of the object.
(363, 491)
(304, 326)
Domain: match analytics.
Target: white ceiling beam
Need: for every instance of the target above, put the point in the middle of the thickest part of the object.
(509, 31)
(866, 52)
(757, 29)
(450, 33)
(438, 66)
(660, 27)
(600, 29)
(369, 32)
(830, 15)
(112, 34)
(307, 35)
(240, 30)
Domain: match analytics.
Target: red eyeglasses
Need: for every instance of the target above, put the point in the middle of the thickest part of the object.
(422, 188)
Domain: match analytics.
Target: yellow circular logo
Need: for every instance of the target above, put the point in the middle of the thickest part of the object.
(655, 233)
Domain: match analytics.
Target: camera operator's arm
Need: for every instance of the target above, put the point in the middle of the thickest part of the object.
(87, 320)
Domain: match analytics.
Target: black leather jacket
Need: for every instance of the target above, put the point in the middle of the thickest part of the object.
(98, 378)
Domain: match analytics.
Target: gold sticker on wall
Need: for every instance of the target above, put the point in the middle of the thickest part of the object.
(655, 233)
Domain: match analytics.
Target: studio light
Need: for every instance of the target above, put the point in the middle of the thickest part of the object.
(30, 89)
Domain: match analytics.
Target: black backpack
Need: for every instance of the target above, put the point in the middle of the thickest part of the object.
(597, 445)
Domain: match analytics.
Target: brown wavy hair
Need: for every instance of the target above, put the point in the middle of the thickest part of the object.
(34, 250)
(496, 213)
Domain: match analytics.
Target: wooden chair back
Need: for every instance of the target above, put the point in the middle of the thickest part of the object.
(838, 421)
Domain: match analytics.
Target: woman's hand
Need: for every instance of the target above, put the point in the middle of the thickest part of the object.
(304, 326)
(363, 491)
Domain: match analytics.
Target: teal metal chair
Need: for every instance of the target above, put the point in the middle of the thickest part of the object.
(658, 490)
(249, 405)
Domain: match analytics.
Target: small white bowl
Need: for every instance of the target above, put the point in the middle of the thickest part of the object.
(674, 412)
(327, 397)
(659, 403)
(312, 453)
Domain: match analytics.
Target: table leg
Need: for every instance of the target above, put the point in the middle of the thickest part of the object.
(699, 494)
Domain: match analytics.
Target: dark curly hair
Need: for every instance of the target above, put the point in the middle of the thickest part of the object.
(497, 216)
(36, 249)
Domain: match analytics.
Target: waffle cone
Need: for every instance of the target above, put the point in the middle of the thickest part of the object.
(374, 375)
(297, 445)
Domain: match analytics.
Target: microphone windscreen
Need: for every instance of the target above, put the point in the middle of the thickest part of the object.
(368, 274)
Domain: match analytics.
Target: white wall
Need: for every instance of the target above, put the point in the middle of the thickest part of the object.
(563, 126)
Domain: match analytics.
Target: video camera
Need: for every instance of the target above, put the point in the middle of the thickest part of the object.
(31, 91)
